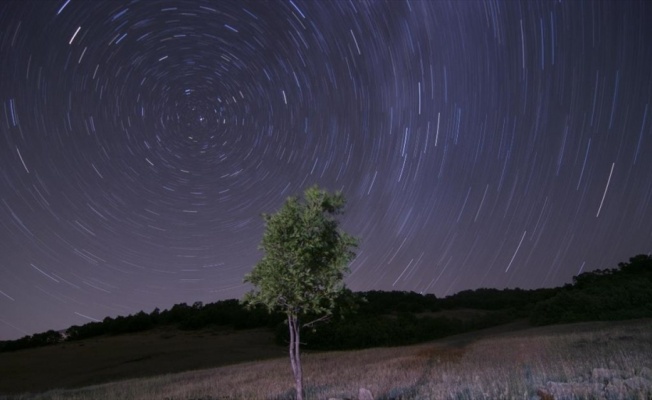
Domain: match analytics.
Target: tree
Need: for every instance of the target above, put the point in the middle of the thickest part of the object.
(302, 271)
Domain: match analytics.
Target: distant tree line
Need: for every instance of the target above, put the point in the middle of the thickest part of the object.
(400, 318)
(601, 295)
(378, 318)
(226, 313)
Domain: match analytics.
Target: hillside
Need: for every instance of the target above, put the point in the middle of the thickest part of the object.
(510, 361)
(150, 353)
(190, 337)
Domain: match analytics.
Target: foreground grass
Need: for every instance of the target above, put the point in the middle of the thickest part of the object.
(591, 360)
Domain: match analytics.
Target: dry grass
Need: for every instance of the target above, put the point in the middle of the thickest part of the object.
(491, 366)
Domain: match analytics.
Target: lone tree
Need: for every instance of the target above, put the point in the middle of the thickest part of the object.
(302, 271)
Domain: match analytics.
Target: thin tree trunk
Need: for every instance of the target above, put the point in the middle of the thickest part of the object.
(295, 355)
(292, 339)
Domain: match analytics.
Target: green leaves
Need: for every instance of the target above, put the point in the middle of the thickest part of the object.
(306, 256)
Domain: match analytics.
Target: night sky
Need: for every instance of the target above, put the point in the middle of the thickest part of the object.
(478, 143)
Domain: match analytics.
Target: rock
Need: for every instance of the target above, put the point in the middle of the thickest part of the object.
(612, 391)
(604, 384)
(617, 382)
(638, 383)
(364, 394)
(569, 390)
(604, 375)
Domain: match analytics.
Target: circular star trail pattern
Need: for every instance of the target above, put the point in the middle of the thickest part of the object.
(479, 144)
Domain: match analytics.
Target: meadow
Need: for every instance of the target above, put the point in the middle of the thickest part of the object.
(592, 360)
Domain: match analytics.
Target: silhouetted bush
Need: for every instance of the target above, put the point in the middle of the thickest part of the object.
(374, 331)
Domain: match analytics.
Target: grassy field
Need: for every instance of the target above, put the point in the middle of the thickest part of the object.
(590, 360)
(112, 358)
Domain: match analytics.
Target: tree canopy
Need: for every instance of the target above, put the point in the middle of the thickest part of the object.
(306, 256)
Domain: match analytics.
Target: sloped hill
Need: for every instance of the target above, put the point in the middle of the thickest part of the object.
(149, 353)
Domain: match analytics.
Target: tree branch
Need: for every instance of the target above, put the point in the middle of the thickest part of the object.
(315, 321)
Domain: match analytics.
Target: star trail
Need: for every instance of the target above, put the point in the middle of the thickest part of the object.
(478, 143)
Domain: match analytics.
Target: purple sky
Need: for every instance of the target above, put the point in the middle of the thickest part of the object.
(479, 144)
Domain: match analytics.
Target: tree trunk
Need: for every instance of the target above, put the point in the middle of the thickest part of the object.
(295, 356)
